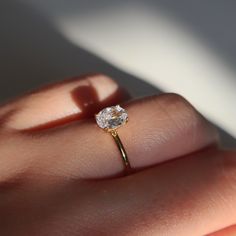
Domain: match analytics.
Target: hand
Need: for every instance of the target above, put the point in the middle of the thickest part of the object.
(62, 175)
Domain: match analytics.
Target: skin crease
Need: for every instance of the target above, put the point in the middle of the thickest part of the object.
(58, 178)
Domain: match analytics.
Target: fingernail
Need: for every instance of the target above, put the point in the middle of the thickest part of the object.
(56, 105)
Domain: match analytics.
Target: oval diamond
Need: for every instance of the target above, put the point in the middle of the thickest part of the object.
(112, 117)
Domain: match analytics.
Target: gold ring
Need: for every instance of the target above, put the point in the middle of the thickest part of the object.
(110, 119)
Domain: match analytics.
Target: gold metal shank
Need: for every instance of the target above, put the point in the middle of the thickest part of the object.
(122, 150)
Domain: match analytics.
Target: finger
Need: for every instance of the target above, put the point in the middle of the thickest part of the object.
(194, 195)
(159, 128)
(60, 103)
(48, 107)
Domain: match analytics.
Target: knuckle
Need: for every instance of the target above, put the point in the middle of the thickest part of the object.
(179, 109)
(176, 100)
(185, 119)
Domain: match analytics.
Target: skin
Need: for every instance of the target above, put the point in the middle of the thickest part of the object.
(62, 175)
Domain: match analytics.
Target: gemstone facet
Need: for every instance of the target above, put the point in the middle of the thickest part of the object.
(111, 118)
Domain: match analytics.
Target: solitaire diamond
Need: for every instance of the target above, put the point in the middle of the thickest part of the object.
(111, 118)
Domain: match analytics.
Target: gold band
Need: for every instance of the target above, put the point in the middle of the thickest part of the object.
(122, 151)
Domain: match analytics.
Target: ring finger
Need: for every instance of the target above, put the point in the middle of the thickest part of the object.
(160, 128)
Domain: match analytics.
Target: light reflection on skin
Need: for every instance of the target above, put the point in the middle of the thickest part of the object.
(43, 107)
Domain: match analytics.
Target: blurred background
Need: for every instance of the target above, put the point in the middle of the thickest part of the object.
(149, 47)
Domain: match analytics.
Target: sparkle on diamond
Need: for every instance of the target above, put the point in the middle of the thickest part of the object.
(112, 117)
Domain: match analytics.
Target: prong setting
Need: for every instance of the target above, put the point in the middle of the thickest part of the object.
(111, 118)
